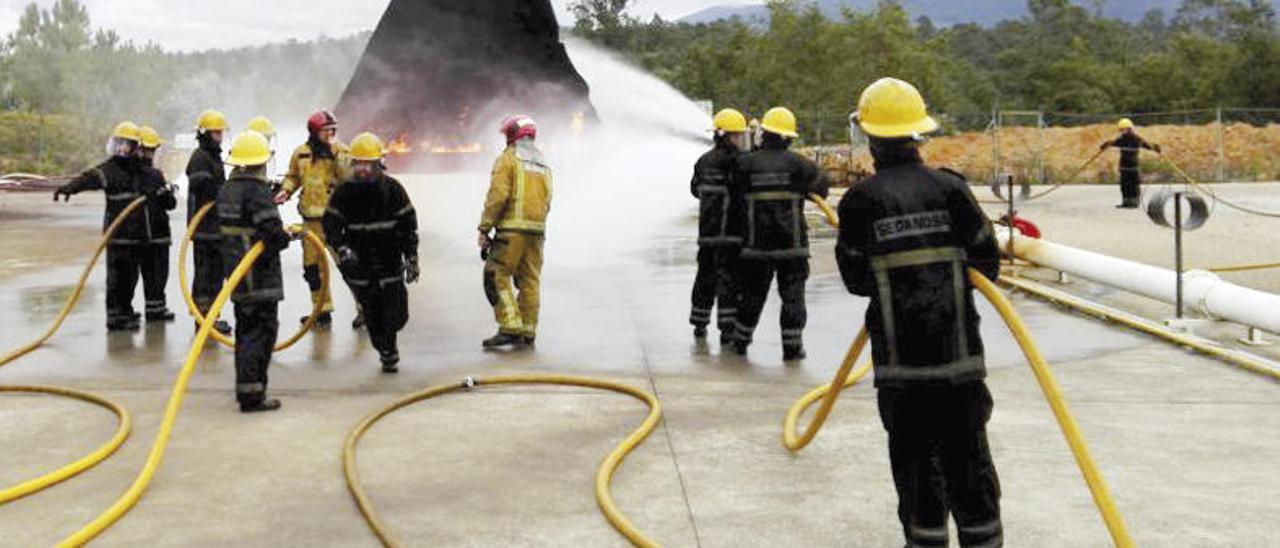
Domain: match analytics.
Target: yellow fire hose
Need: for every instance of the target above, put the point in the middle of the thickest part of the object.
(134, 492)
(604, 475)
(311, 239)
(1044, 377)
(123, 423)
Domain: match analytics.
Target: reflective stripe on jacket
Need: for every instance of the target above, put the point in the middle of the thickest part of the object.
(520, 192)
(316, 177)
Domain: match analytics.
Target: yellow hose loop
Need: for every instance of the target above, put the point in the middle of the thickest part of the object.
(1243, 267)
(134, 492)
(79, 289)
(845, 377)
(1052, 393)
(604, 476)
(316, 310)
(123, 427)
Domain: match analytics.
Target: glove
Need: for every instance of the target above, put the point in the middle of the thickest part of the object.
(485, 244)
(411, 270)
(1158, 150)
(346, 258)
(63, 191)
(1104, 146)
(281, 197)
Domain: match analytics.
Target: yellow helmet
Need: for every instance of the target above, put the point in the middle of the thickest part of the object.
(891, 108)
(249, 148)
(366, 147)
(1125, 123)
(150, 137)
(781, 121)
(127, 131)
(262, 125)
(730, 121)
(211, 120)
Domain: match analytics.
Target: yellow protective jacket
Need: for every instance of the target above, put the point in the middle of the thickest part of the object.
(316, 178)
(519, 192)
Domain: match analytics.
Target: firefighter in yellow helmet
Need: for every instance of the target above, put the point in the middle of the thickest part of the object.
(248, 215)
(205, 177)
(715, 286)
(315, 170)
(512, 231)
(1130, 145)
(768, 188)
(908, 236)
(154, 252)
(121, 179)
(373, 228)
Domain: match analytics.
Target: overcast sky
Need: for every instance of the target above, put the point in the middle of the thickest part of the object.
(202, 24)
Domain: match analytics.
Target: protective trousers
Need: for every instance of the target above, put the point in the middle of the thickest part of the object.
(716, 287)
(209, 274)
(257, 325)
(311, 267)
(515, 264)
(386, 311)
(1131, 185)
(755, 277)
(942, 464)
(155, 276)
(122, 280)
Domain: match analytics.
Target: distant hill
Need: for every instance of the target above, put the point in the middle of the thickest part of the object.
(942, 12)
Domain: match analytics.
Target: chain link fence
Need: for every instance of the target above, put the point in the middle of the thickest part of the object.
(1212, 145)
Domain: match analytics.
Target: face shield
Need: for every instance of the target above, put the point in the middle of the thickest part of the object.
(858, 139)
(740, 140)
(117, 146)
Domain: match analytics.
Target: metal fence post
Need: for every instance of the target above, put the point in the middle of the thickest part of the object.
(1222, 148)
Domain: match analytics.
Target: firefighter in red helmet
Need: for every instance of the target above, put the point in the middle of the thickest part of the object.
(315, 170)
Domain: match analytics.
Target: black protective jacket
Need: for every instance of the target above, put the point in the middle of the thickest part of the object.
(160, 201)
(710, 185)
(205, 176)
(1130, 145)
(768, 190)
(121, 179)
(908, 236)
(248, 215)
(377, 221)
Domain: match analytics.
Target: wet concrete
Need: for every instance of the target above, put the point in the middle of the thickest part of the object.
(1187, 444)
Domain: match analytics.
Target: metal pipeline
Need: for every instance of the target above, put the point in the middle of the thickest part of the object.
(1204, 290)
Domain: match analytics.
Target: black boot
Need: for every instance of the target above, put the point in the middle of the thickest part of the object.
(739, 347)
(259, 406)
(165, 315)
(530, 340)
(323, 321)
(391, 361)
(793, 354)
(221, 326)
(503, 339)
(699, 331)
(124, 323)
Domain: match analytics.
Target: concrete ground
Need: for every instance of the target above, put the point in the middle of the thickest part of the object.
(1187, 444)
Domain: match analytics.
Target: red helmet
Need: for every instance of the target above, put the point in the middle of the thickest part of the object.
(518, 127)
(321, 120)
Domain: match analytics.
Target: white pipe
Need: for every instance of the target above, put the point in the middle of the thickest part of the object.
(1202, 290)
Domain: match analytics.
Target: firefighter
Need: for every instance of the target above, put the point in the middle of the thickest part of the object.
(373, 229)
(120, 178)
(248, 215)
(205, 177)
(154, 253)
(769, 188)
(1130, 145)
(512, 233)
(715, 286)
(908, 237)
(316, 167)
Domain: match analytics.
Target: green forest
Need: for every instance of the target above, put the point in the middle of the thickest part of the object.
(63, 83)
(1062, 57)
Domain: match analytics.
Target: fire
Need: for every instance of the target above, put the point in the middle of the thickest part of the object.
(400, 145)
(447, 149)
